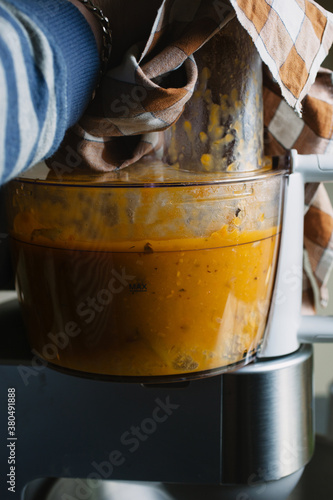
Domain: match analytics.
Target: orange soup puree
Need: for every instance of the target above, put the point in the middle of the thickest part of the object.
(149, 308)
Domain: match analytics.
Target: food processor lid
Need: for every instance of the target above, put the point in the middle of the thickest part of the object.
(146, 174)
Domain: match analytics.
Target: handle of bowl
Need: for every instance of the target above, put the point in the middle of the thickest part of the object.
(315, 329)
(314, 168)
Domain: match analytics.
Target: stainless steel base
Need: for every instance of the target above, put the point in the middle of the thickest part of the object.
(316, 482)
(267, 419)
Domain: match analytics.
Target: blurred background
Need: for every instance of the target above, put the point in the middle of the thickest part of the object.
(323, 353)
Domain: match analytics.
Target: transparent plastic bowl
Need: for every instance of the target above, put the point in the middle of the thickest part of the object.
(150, 273)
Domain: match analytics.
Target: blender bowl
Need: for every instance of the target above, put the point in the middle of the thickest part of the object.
(149, 273)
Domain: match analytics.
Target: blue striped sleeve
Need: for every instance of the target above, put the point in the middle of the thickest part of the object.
(48, 68)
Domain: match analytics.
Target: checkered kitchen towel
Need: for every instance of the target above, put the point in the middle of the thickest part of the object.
(313, 133)
(292, 37)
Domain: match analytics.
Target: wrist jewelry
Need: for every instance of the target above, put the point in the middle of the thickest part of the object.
(107, 34)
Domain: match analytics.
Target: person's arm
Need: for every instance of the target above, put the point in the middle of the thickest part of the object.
(49, 66)
(92, 21)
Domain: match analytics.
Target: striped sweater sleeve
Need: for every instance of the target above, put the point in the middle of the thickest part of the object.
(48, 68)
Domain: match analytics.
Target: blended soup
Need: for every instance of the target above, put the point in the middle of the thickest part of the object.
(148, 312)
(147, 282)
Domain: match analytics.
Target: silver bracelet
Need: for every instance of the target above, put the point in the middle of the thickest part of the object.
(107, 34)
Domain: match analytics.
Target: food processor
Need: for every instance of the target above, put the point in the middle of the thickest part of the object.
(162, 352)
(135, 282)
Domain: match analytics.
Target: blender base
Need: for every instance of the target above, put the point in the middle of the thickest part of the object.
(126, 490)
(315, 482)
